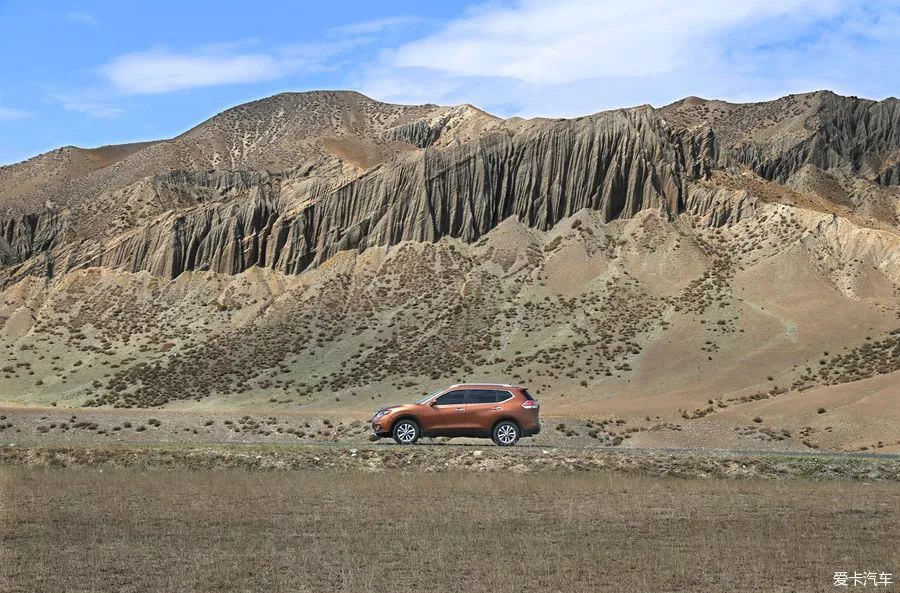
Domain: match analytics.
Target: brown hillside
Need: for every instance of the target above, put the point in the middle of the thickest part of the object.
(686, 270)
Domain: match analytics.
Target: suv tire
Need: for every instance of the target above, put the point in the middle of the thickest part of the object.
(406, 432)
(506, 433)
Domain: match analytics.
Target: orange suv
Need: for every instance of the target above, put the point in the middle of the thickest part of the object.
(503, 413)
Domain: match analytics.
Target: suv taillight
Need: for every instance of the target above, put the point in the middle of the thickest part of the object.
(530, 404)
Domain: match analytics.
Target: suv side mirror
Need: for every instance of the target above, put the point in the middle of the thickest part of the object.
(432, 403)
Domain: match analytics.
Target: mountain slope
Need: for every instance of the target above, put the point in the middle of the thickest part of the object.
(323, 250)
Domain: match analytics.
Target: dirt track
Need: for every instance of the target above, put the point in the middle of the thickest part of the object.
(47, 426)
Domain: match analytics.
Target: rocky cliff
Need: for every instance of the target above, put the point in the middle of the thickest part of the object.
(455, 172)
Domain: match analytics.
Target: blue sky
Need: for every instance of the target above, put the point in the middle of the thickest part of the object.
(94, 73)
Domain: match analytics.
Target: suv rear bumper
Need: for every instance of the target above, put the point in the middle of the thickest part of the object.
(531, 431)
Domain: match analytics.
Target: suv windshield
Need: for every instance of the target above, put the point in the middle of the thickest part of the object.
(427, 397)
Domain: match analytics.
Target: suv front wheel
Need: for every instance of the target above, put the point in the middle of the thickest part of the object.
(406, 432)
(506, 433)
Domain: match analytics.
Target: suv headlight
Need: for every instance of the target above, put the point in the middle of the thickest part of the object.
(381, 414)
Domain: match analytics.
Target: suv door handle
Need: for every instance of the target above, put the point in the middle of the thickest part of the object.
(460, 410)
(496, 408)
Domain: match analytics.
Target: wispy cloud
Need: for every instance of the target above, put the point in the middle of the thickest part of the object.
(83, 18)
(576, 56)
(376, 25)
(93, 102)
(558, 42)
(320, 55)
(162, 71)
(97, 110)
(10, 113)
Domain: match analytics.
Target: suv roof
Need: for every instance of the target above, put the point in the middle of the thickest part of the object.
(483, 385)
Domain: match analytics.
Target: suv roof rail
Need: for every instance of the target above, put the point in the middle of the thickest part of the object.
(482, 385)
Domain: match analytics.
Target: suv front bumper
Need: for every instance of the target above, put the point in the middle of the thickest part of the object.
(380, 429)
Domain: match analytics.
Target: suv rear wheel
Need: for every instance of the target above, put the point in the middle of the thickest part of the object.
(506, 433)
(406, 432)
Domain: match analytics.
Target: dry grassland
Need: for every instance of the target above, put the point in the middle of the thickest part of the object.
(122, 530)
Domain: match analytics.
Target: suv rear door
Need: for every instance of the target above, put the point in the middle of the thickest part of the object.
(483, 408)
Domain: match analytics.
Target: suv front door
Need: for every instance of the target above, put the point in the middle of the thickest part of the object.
(447, 414)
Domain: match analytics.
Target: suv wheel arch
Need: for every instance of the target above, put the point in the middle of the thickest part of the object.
(505, 419)
(406, 417)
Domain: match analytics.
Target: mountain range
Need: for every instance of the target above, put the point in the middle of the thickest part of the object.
(695, 267)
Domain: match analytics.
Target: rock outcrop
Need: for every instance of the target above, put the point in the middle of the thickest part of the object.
(837, 132)
(617, 163)
(454, 172)
(29, 235)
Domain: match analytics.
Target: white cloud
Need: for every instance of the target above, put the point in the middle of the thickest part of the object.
(558, 42)
(376, 25)
(82, 18)
(572, 57)
(10, 113)
(318, 56)
(162, 71)
(94, 103)
(97, 110)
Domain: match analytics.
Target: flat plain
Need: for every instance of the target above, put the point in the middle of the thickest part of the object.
(124, 530)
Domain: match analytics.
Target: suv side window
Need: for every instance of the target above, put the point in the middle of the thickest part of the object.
(451, 398)
(482, 396)
(502, 396)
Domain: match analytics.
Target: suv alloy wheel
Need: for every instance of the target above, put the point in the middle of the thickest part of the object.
(506, 433)
(406, 432)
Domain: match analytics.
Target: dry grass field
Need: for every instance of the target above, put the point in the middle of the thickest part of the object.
(121, 530)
